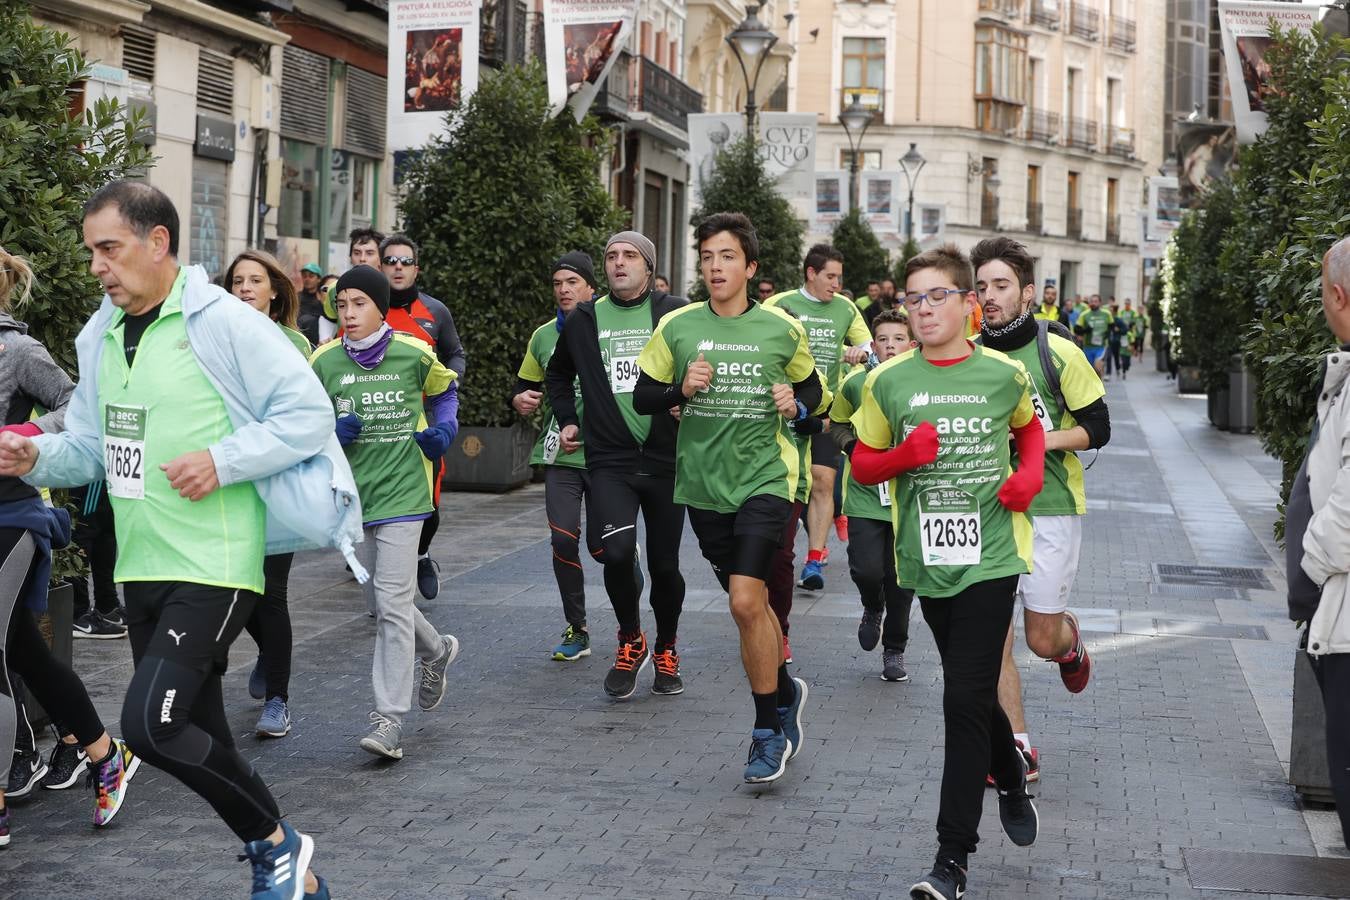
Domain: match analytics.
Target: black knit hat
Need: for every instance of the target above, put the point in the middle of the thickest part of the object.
(579, 262)
(369, 281)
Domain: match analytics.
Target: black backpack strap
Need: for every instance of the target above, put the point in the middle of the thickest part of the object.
(1048, 363)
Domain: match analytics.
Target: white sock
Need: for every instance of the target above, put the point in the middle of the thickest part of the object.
(1024, 738)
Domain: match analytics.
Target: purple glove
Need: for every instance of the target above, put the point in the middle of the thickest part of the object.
(348, 427)
(434, 441)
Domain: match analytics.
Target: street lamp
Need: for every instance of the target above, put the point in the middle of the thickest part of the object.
(752, 41)
(911, 160)
(855, 117)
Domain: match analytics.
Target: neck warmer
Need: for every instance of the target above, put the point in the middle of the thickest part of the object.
(1017, 333)
(369, 351)
(636, 301)
(402, 297)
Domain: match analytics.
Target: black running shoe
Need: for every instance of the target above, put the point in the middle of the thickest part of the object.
(93, 625)
(1017, 812)
(947, 881)
(428, 577)
(116, 616)
(25, 772)
(66, 766)
(668, 680)
(632, 657)
(869, 629)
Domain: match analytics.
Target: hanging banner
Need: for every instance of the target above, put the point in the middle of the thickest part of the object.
(879, 199)
(1164, 207)
(932, 224)
(434, 43)
(787, 143)
(582, 41)
(1205, 153)
(1245, 31)
(831, 200)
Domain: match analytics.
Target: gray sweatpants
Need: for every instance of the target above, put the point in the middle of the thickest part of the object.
(389, 553)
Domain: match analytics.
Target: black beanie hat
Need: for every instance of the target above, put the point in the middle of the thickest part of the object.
(369, 281)
(579, 262)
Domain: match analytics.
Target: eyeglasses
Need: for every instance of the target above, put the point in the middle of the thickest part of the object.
(400, 261)
(764, 292)
(935, 298)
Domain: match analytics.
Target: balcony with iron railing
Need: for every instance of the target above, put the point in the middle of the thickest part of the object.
(1040, 125)
(1036, 218)
(662, 93)
(1084, 21)
(1008, 9)
(1073, 227)
(615, 97)
(989, 212)
(1045, 13)
(1122, 34)
(1120, 142)
(1081, 134)
(1113, 228)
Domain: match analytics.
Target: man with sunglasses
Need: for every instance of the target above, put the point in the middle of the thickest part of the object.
(766, 288)
(427, 319)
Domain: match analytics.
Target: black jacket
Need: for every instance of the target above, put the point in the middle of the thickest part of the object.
(609, 443)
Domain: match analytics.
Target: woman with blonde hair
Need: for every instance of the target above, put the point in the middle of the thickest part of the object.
(257, 278)
(29, 531)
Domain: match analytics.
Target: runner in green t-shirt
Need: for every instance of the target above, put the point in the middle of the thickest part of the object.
(740, 372)
(384, 385)
(1004, 274)
(871, 536)
(936, 420)
(1095, 328)
(839, 338)
(565, 478)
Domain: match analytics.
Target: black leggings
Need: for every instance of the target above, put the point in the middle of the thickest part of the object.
(969, 630)
(612, 503)
(49, 680)
(270, 626)
(174, 714)
(95, 534)
(871, 563)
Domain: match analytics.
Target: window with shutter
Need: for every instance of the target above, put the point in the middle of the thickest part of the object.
(215, 83)
(304, 95)
(364, 128)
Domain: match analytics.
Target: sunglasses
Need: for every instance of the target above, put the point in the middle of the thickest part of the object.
(400, 261)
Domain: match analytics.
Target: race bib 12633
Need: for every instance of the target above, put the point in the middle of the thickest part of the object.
(949, 527)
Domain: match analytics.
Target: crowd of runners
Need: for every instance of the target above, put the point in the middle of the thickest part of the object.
(937, 433)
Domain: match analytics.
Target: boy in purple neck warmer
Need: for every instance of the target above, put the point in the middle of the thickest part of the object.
(395, 406)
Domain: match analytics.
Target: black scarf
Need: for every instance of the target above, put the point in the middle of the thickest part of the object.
(402, 298)
(1017, 333)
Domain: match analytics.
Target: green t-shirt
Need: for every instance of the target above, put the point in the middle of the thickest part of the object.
(951, 531)
(860, 500)
(1063, 494)
(154, 411)
(1098, 323)
(299, 340)
(393, 477)
(623, 332)
(733, 444)
(830, 326)
(548, 449)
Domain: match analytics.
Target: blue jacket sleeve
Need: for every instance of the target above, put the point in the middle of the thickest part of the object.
(75, 456)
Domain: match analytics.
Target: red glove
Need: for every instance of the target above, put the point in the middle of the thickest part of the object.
(1023, 485)
(873, 466)
(27, 429)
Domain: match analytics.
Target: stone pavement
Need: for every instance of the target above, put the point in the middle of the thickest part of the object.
(528, 782)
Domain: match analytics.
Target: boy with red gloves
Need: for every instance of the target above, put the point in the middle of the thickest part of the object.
(935, 422)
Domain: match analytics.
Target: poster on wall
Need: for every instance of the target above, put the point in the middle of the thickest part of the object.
(931, 225)
(582, 40)
(1164, 207)
(1245, 32)
(1206, 152)
(434, 44)
(831, 200)
(879, 200)
(787, 142)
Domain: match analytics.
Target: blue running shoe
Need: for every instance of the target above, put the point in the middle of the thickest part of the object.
(275, 720)
(321, 893)
(279, 871)
(769, 752)
(575, 644)
(257, 681)
(790, 718)
(813, 576)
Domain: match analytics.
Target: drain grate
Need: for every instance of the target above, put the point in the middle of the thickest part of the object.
(1193, 591)
(1267, 873)
(1212, 576)
(1211, 630)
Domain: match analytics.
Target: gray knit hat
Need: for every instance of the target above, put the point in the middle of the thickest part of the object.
(638, 240)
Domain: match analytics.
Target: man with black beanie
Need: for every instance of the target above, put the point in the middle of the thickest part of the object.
(630, 458)
(427, 319)
(565, 479)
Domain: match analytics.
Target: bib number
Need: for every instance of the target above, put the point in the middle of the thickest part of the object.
(552, 443)
(124, 451)
(884, 493)
(623, 374)
(949, 527)
(1041, 412)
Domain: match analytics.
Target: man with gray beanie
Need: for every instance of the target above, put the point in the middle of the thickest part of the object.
(630, 458)
(565, 479)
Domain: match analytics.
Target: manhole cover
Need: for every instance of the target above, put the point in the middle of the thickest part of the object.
(1213, 576)
(1267, 873)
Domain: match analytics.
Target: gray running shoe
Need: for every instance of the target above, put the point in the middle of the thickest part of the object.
(432, 690)
(386, 739)
(893, 666)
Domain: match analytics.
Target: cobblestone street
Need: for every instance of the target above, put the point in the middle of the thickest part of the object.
(529, 782)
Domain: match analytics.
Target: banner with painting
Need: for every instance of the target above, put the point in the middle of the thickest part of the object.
(880, 201)
(831, 201)
(787, 142)
(434, 44)
(1206, 152)
(1245, 33)
(1164, 208)
(582, 41)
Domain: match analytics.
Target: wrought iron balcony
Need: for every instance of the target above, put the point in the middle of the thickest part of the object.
(1074, 226)
(1041, 125)
(1045, 13)
(1008, 9)
(989, 212)
(661, 93)
(1036, 218)
(1084, 21)
(1081, 134)
(1120, 142)
(615, 97)
(1122, 34)
(1113, 229)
